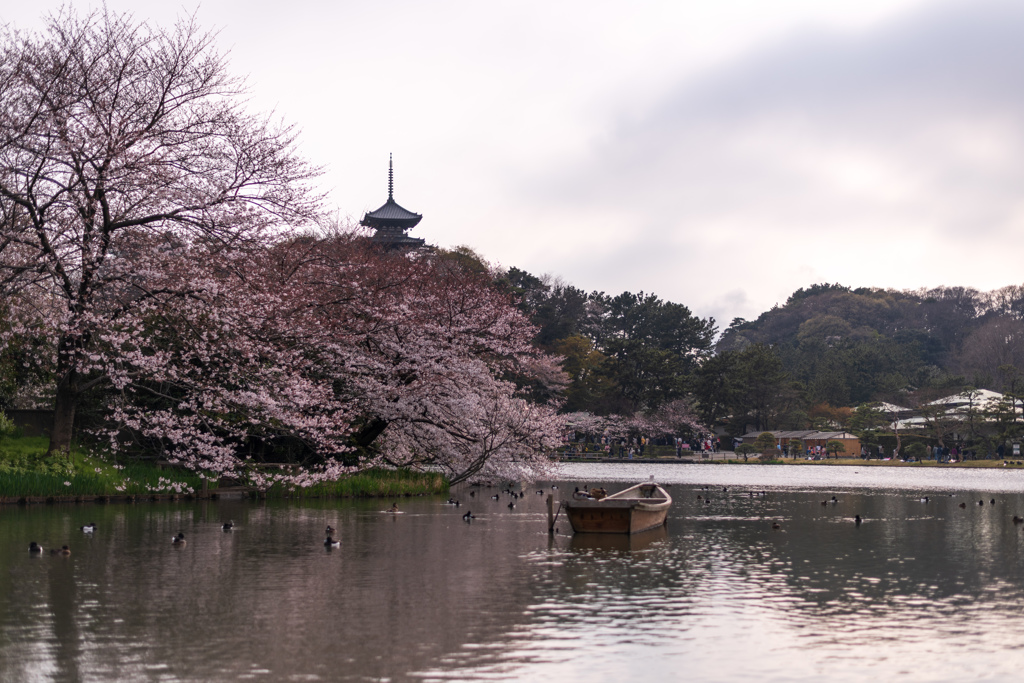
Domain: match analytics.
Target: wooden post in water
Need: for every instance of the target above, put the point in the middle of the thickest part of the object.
(551, 514)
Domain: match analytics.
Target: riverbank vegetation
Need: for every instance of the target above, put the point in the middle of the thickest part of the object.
(27, 470)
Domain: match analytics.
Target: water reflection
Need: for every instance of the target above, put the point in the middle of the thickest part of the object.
(926, 590)
(618, 542)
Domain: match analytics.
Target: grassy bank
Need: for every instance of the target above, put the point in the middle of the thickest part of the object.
(27, 472)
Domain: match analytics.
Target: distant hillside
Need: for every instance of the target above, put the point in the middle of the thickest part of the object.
(850, 346)
(802, 364)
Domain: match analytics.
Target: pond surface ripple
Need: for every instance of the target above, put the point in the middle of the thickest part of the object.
(919, 591)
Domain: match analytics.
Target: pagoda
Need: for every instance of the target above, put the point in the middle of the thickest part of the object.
(390, 222)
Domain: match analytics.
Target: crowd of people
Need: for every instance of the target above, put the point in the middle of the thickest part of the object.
(635, 446)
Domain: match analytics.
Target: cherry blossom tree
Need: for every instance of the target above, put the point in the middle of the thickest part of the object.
(589, 425)
(358, 358)
(147, 229)
(208, 356)
(675, 418)
(439, 361)
(111, 128)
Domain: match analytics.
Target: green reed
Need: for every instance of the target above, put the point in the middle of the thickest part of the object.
(26, 470)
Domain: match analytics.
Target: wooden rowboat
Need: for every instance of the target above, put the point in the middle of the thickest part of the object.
(638, 508)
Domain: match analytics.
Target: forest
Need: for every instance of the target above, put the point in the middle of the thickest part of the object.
(805, 364)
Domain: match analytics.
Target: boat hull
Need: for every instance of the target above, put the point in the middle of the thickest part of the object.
(615, 517)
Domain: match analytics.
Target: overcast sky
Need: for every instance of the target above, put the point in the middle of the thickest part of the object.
(718, 154)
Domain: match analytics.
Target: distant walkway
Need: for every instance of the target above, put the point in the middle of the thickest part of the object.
(688, 458)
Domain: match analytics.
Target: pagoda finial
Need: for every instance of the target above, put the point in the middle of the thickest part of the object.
(391, 178)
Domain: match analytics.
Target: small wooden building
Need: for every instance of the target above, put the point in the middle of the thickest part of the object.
(811, 438)
(850, 442)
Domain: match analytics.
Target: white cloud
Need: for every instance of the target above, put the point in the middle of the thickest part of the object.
(892, 156)
(716, 154)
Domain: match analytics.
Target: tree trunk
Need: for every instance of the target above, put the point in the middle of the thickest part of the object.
(64, 415)
(369, 432)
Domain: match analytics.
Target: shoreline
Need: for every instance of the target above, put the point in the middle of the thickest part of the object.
(119, 498)
(229, 494)
(26, 501)
(24, 489)
(739, 480)
(832, 462)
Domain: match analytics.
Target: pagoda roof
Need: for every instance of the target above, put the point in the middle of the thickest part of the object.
(391, 215)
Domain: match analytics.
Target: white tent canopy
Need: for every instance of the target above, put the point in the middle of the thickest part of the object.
(978, 397)
(892, 408)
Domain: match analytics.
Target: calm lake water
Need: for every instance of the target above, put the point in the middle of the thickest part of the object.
(918, 592)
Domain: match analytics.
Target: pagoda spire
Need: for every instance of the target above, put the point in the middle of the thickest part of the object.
(391, 222)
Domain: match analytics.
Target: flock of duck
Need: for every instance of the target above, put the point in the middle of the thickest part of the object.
(36, 549)
(90, 528)
(857, 519)
(329, 541)
(178, 539)
(515, 495)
